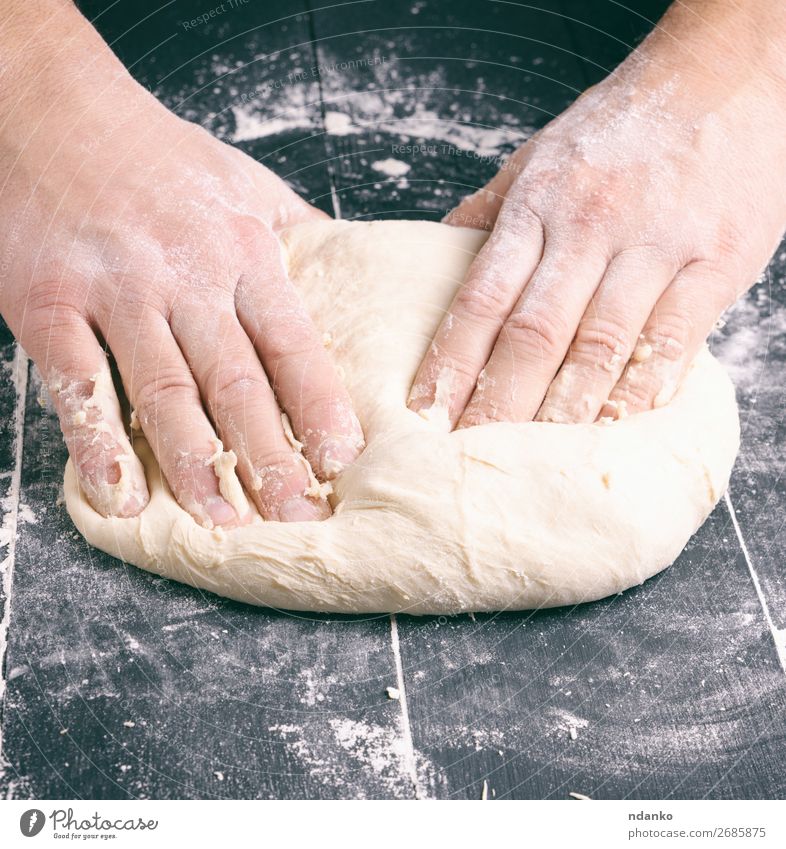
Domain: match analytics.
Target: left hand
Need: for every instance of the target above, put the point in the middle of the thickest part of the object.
(621, 232)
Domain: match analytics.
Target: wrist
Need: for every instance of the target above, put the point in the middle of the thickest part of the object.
(54, 65)
(725, 51)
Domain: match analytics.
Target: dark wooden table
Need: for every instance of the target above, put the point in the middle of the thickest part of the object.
(117, 684)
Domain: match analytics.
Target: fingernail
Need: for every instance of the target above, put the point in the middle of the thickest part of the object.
(219, 510)
(336, 453)
(420, 396)
(301, 509)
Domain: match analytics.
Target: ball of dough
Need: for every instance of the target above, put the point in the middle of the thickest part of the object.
(497, 517)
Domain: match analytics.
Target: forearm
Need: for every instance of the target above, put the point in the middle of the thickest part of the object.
(52, 59)
(727, 47)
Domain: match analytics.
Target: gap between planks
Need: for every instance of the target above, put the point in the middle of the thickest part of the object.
(778, 634)
(312, 34)
(10, 520)
(410, 759)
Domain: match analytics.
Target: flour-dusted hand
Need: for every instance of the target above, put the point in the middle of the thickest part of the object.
(623, 230)
(129, 228)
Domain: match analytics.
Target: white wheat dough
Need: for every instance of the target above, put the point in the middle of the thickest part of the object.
(503, 516)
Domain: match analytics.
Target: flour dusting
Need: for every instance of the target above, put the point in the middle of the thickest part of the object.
(229, 100)
(378, 754)
(391, 167)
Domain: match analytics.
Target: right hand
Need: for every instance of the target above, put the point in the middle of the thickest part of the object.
(125, 223)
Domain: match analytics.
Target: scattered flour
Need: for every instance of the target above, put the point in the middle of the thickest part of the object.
(251, 125)
(312, 687)
(391, 167)
(753, 328)
(338, 124)
(378, 756)
(372, 745)
(567, 722)
(26, 515)
(230, 100)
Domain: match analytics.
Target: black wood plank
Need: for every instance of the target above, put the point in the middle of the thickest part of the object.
(461, 84)
(673, 690)
(752, 345)
(604, 32)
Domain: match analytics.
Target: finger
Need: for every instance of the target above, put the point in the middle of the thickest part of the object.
(78, 377)
(274, 194)
(465, 338)
(607, 336)
(683, 318)
(169, 409)
(480, 210)
(246, 415)
(301, 374)
(291, 209)
(535, 337)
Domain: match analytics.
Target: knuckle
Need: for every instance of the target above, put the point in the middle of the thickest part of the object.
(134, 300)
(271, 464)
(50, 320)
(493, 405)
(456, 367)
(639, 259)
(518, 215)
(652, 383)
(252, 233)
(531, 331)
(486, 298)
(463, 371)
(168, 388)
(474, 416)
(298, 341)
(602, 341)
(95, 461)
(235, 386)
(318, 404)
(638, 394)
(69, 397)
(46, 300)
(669, 340)
(484, 301)
(705, 287)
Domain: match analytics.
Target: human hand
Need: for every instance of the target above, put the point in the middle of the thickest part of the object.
(132, 226)
(621, 232)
